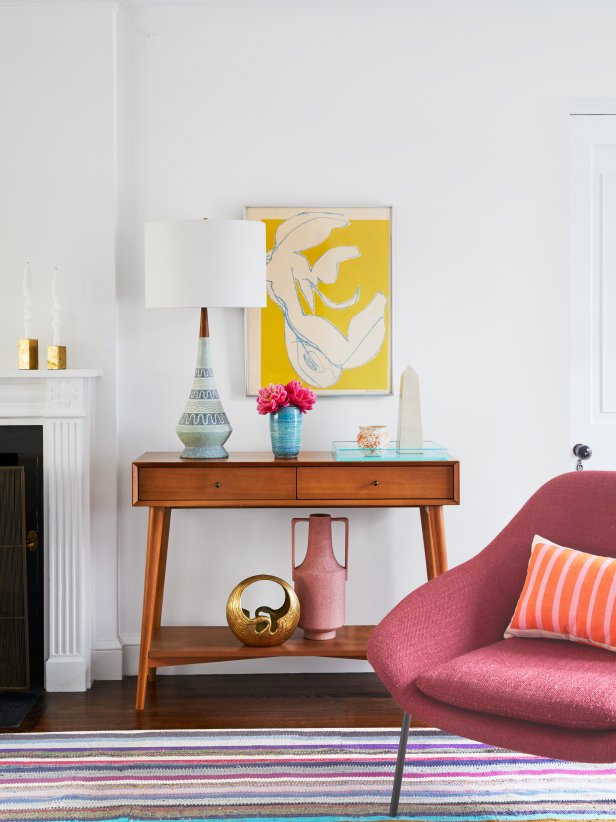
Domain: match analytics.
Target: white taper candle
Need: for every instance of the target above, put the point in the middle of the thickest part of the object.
(27, 286)
(55, 308)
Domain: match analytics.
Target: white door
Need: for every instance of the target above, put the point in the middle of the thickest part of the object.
(593, 288)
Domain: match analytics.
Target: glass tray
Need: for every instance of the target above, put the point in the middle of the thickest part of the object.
(351, 452)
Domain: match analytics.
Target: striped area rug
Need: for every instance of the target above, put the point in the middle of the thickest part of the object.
(281, 774)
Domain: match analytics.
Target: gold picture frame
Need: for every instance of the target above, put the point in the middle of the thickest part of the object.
(327, 321)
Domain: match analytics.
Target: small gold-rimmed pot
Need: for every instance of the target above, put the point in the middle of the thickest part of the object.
(373, 437)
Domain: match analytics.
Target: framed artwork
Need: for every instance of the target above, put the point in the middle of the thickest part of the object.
(328, 316)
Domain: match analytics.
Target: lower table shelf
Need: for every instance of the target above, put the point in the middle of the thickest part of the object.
(174, 645)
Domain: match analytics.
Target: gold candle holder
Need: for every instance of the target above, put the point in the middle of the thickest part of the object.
(56, 357)
(27, 355)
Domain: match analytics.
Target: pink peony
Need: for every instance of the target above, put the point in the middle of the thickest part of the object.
(271, 398)
(275, 396)
(300, 396)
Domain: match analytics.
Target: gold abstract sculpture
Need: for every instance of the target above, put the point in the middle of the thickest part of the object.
(269, 626)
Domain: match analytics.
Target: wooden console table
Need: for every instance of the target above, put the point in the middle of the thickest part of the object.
(163, 481)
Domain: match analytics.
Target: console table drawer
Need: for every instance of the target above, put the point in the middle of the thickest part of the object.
(376, 482)
(197, 482)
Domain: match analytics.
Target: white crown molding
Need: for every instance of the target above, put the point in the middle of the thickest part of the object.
(61, 4)
(356, 7)
(377, 6)
(593, 105)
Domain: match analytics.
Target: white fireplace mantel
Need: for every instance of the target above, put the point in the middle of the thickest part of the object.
(62, 402)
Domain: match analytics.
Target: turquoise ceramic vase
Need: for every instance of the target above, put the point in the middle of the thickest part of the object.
(286, 432)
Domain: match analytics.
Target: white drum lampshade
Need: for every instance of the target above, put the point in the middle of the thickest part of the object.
(201, 264)
(205, 263)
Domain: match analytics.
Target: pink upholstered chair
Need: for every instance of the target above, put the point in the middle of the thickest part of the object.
(441, 653)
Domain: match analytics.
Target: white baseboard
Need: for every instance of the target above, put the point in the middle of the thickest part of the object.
(107, 663)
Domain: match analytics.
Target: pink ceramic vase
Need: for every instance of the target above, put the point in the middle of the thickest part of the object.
(320, 580)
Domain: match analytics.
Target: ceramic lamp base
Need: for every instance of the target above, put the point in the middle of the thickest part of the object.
(203, 427)
(205, 453)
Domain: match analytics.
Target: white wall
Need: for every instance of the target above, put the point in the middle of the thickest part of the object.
(457, 119)
(57, 208)
(460, 121)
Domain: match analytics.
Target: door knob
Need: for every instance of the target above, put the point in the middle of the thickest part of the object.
(582, 452)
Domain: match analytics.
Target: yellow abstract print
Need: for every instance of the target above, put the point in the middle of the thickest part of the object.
(327, 320)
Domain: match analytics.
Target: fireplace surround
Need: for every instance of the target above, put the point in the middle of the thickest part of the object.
(62, 402)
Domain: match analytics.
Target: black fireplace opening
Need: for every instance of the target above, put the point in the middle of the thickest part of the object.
(22, 445)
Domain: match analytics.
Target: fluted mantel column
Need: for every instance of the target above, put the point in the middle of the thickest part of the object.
(62, 403)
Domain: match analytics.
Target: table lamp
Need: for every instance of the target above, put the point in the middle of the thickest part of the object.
(201, 264)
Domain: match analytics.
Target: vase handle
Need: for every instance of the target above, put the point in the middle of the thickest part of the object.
(294, 522)
(346, 543)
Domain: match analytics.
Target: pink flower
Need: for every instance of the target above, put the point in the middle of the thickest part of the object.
(300, 396)
(275, 396)
(271, 398)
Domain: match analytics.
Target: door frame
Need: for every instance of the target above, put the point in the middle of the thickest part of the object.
(579, 106)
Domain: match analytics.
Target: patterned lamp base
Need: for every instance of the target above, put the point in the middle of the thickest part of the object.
(204, 427)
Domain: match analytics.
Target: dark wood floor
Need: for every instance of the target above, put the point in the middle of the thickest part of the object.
(222, 701)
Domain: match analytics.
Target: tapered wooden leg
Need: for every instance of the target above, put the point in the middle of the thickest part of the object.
(160, 583)
(428, 541)
(158, 534)
(440, 544)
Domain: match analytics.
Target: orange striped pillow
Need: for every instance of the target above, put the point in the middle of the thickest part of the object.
(567, 594)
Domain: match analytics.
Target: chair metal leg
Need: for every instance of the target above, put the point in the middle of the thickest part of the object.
(395, 793)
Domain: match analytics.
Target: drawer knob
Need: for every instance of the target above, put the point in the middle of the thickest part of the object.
(217, 484)
(376, 482)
